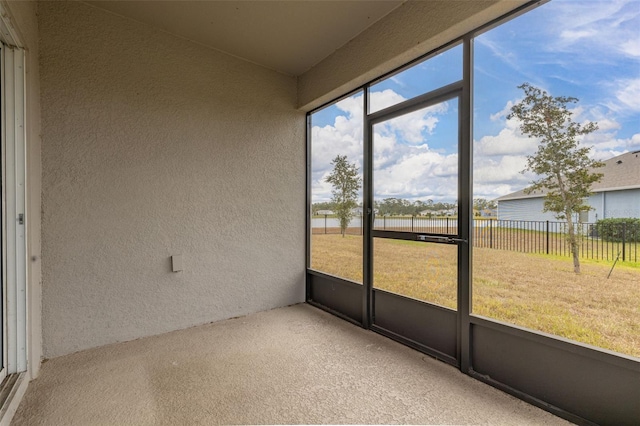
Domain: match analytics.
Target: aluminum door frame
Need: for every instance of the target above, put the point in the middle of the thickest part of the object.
(459, 90)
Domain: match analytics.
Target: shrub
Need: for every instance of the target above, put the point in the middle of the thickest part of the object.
(616, 229)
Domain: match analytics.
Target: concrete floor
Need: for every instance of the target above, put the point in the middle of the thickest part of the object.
(291, 365)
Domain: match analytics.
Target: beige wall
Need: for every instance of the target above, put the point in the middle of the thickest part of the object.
(414, 29)
(154, 146)
(23, 17)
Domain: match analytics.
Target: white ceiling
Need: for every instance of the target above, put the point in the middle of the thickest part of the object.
(287, 36)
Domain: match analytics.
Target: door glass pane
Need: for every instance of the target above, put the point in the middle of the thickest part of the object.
(415, 185)
(336, 132)
(415, 171)
(422, 271)
(423, 77)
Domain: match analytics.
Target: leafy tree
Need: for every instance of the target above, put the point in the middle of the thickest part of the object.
(394, 206)
(483, 204)
(316, 207)
(346, 183)
(418, 207)
(564, 168)
(402, 207)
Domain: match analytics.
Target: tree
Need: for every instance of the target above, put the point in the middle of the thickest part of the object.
(346, 183)
(484, 204)
(564, 168)
(321, 206)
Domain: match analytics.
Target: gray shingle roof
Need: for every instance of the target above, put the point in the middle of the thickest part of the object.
(621, 172)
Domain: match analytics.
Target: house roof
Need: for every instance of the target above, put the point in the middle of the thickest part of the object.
(621, 172)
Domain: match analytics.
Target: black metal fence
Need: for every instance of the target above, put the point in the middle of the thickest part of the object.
(547, 237)
(543, 237)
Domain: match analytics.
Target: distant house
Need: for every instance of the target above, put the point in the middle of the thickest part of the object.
(324, 212)
(489, 213)
(440, 212)
(616, 195)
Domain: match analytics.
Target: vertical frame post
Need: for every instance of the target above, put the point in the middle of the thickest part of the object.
(367, 216)
(308, 220)
(465, 211)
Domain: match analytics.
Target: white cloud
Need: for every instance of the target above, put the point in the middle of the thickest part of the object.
(498, 50)
(425, 174)
(411, 128)
(509, 141)
(605, 124)
(606, 142)
(493, 191)
(596, 28)
(499, 161)
(502, 114)
(605, 155)
(631, 47)
(386, 98)
(595, 115)
(627, 96)
(398, 81)
(505, 169)
(405, 166)
(571, 36)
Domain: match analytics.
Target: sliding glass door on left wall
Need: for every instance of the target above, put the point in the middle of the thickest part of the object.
(14, 251)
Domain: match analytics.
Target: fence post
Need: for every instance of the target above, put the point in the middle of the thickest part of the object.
(325, 223)
(447, 224)
(412, 218)
(624, 240)
(384, 222)
(490, 233)
(547, 237)
(362, 223)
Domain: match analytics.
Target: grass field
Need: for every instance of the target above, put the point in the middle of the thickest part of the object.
(538, 292)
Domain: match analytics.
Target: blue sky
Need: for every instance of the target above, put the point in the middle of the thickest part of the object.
(586, 49)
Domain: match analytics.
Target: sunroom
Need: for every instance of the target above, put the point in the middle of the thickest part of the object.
(164, 163)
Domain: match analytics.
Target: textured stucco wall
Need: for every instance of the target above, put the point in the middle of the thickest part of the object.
(154, 146)
(24, 19)
(415, 28)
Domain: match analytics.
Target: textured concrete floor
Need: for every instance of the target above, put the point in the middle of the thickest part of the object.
(289, 365)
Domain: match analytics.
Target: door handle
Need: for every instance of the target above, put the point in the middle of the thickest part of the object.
(440, 239)
(458, 240)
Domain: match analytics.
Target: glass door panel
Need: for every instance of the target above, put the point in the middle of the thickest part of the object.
(423, 271)
(415, 198)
